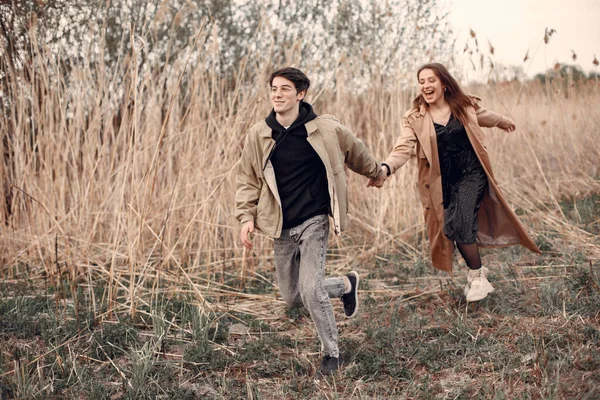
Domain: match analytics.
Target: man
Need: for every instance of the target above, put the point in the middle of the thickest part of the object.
(290, 179)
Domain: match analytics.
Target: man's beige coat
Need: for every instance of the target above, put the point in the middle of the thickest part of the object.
(498, 224)
(257, 198)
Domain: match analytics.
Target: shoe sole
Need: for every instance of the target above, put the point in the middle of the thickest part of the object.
(477, 298)
(357, 281)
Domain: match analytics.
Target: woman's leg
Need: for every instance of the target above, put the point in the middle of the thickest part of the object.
(470, 253)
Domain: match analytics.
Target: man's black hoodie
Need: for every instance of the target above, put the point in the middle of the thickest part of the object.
(299, 172)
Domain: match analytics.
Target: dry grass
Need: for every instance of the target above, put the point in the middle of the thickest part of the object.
(123, 182)
(128, 178)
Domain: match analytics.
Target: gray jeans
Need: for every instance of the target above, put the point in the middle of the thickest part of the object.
(300, 265)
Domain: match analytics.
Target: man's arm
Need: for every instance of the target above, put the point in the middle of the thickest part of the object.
(357, 156)
(247, 193)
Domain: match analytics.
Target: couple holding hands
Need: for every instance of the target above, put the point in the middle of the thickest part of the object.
(291, 179)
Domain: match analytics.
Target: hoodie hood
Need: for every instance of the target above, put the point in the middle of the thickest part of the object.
(306, 115)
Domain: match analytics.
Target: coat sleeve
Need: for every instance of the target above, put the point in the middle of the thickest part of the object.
(404, 147)
(356, 154)
(488, 118)
(248, 185)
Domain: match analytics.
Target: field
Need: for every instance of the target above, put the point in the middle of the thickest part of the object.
(122, 275)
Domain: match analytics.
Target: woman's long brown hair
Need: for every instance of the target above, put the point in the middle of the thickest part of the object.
(453, 94)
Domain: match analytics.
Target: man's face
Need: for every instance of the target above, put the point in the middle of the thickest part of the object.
(283, 95)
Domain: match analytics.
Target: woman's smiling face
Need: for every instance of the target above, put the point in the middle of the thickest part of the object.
(432, 89)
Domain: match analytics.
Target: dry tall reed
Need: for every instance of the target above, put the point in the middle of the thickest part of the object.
(126, 177)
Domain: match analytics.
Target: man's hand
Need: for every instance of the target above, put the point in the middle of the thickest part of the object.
(247, 229)
(380, 179)
(376, 182)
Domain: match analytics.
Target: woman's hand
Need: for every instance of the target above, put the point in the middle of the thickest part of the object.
(508, 126)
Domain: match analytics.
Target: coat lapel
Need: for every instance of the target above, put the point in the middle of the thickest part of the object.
(423, 127)
(267, 144)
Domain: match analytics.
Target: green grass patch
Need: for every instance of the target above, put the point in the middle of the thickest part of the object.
(535, 337)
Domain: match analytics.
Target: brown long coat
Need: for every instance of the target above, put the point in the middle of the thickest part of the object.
(498, 224)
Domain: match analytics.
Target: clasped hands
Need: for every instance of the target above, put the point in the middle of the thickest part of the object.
(380, 179)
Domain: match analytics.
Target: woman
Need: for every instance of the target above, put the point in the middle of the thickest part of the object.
(461, 199)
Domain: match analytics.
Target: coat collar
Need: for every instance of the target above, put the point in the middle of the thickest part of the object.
(311, 126)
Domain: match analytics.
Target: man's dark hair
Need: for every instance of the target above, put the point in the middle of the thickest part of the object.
(297, 77)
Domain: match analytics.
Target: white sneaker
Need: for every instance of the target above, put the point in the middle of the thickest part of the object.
(480, 286)
(484, 271)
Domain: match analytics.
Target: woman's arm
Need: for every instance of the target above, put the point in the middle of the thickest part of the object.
(490, 119)
(404, 147)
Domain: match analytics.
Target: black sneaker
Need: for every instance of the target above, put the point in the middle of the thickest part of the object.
(329, 365)
(350, 299)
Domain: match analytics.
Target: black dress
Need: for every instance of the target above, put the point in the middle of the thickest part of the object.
(463, 181)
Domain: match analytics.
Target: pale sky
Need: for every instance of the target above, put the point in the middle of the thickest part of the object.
(515, 26)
